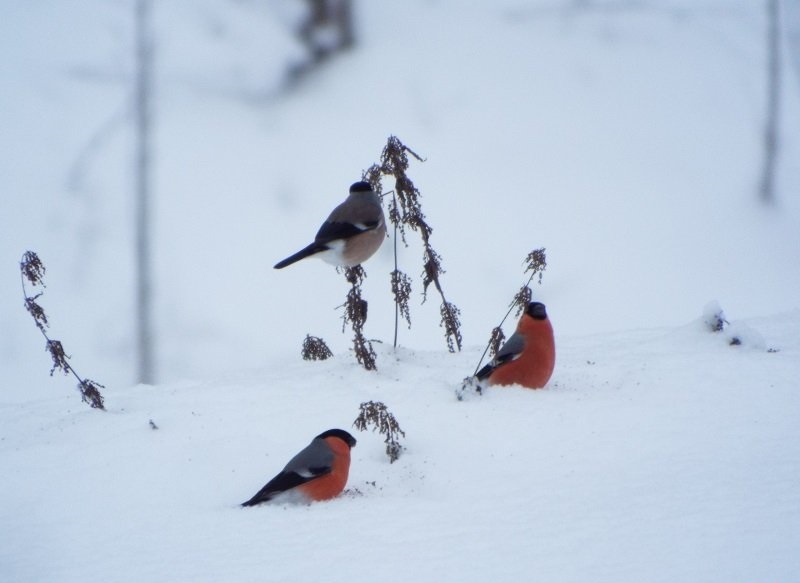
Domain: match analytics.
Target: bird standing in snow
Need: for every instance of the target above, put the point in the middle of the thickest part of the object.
(351, 234)
(318, 472)
(528, 357)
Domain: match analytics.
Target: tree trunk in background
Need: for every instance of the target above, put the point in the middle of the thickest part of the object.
(773, 101)
(326, 29)
(790, 17)
(145, 369)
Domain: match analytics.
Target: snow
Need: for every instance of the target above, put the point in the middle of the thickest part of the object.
(623, 137)
(658, 455)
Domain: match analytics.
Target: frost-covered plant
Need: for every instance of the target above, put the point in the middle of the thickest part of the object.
(714, 317)
(32, 270)
(736, 333)
(377, 415)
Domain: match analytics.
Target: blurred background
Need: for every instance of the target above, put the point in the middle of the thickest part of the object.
(171, 152)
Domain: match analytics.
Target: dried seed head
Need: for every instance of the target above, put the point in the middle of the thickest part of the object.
(521, 300)
(452, 325)
(355, 314)
(377, 415)
(37, 312)
(496, 341)
(536, 262)
(401, 288)
(56, 350)
(32, 268)
(314, 348)
(90, 393)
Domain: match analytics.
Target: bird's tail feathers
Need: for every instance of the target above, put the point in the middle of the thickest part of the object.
(307, 251)
(485, 372)
(262, 495)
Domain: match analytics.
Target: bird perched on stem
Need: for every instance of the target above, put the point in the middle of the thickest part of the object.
(318, 472)
(528, 357)
(351, 234)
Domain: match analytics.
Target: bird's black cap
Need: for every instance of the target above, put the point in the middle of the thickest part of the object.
(536, 311)
(341, 434)
(361, 187)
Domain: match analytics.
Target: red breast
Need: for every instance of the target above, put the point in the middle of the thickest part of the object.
(535, 364)
(331, 484)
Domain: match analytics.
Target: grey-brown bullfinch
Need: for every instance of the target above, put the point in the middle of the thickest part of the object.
(351, 234)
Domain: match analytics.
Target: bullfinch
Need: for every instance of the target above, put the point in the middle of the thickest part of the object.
(352, 232)
(318, 472)
(528, 357)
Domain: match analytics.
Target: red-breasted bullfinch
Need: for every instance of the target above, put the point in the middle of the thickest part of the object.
(528, 357)
(318, 472)
(351, 234)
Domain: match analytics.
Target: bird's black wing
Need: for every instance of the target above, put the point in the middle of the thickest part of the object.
(285, 481)
(313, 461)
(508, 352)
(485, 371)
(331, 231)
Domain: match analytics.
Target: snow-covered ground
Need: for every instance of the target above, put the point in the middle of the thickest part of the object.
(623, 137)
(659, 455)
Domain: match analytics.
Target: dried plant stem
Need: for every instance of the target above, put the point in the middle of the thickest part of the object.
(405, 210)
(396, 303)
(489, 344)
(32, 269)
(401, 286)
(355, 313)
(536, 264)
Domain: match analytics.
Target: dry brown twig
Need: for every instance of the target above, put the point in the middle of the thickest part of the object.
(32, 270)
(535, 263)
(405, 212)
